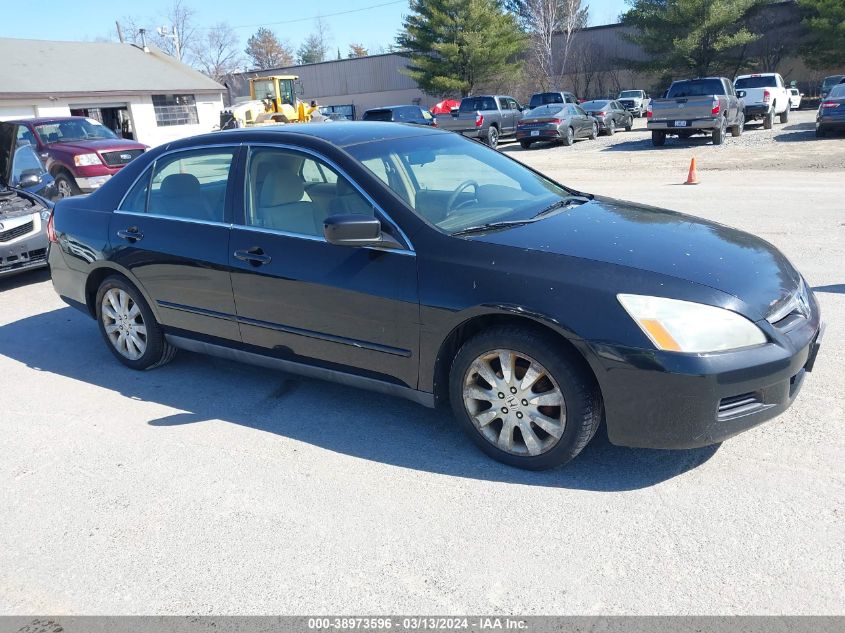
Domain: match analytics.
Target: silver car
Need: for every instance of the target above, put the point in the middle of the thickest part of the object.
(556, 122)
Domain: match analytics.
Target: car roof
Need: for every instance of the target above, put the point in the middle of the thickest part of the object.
(391, 107)
(47, 119)
(338, 133)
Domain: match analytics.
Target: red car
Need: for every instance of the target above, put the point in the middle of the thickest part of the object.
(80, 153)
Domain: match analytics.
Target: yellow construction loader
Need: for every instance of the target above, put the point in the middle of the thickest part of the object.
(272, 100)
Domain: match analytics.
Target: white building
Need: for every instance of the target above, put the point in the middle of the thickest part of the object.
(148, 96)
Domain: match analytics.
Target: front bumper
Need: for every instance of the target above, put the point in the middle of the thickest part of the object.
(25, 251)
(668, 400)
(92, 183)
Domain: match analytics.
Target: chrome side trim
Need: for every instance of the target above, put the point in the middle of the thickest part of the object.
(310, 371)
(162, 216)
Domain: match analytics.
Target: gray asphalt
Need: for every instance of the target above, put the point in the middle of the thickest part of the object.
(211, 487)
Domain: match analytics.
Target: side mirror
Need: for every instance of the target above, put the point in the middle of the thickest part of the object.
(353, 229)
(29, 178)
(741, 94)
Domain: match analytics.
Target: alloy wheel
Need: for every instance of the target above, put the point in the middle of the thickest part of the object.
(63, 188)
(124, 323)
(514, 402)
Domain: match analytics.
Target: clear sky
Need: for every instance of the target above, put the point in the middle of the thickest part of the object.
(373, 23)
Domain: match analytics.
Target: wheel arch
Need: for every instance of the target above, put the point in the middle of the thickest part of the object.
(108, 269)
(477, 323)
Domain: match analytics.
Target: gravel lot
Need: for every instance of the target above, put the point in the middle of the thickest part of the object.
(212, 487)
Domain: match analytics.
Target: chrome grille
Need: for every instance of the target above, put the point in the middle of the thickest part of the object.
(120, 157)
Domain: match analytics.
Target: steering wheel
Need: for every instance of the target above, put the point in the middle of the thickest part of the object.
(466, 184)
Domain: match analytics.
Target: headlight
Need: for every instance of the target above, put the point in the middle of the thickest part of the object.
(45, 214)
(83, 160)
(684, 326)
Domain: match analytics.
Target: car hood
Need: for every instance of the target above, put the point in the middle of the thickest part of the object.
(663, 242)
(102, 145)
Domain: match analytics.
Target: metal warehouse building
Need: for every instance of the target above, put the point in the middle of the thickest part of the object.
(351, 85)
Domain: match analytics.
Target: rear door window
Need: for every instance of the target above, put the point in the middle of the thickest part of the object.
(190, 185)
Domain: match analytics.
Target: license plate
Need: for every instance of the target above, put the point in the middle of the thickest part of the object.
(680, 123)
(535, 133)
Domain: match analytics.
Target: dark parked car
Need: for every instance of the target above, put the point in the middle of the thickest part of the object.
(828, 83)
(400, 114)
(610, 115)
(831, 114)
(80, 153)
(419, 263)
(24, 211)
(559, 122)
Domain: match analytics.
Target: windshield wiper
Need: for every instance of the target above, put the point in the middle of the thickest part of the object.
(563, 202)
(492, 226)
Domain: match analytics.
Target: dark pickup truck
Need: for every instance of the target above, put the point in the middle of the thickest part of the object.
(486, 118)
(707, 105)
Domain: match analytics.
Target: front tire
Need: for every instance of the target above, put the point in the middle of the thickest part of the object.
(523, 399)
(129, 327)
(66, 185)
(492, 139)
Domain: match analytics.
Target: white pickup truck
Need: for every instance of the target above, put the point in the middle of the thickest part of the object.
(765, 96)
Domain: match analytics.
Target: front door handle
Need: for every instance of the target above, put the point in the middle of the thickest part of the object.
(254, 256)
(131, 234)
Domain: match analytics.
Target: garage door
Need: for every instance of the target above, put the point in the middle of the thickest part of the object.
(16, 112)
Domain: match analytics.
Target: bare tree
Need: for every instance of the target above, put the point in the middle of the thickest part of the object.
(178, 36)
(542, 17)
(218, 54)
(574, 18)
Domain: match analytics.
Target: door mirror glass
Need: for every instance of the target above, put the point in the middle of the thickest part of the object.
(353, 229)
(740, 93)
(29, 178)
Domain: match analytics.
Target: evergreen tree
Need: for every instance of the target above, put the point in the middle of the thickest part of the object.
(455, 45)
(699, 37)
(825, 20)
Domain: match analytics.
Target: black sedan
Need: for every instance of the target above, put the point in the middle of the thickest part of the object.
(610, 115)
(419, 263)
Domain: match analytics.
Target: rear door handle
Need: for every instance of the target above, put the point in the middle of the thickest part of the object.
(254, 256)
(131, 234)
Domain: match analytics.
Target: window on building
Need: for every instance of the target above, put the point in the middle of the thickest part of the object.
(175, 110)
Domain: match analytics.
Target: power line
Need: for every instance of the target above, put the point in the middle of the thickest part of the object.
(323, 15)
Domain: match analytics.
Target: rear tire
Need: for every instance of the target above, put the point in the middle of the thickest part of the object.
(492, 139)
(820, 132)
(719, 133)
(525, 144)
(568, 137)
(611, 128)
(784, 116)
(129, 327)
(515, 429)
(658, 139)
(630, 124)
(738, 129)
(594, 133)
(769, 120)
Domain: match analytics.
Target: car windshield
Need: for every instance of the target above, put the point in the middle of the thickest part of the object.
(595, 105)
(627, 94)
(455, 183)
(755, 82)
(545, 97)
(837, 92)
(546, 110)
(73, 130)
(696, 88)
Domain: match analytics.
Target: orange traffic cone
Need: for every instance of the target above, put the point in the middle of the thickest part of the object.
(692, 178)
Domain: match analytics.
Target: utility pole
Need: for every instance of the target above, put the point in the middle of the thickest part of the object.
(119, 31)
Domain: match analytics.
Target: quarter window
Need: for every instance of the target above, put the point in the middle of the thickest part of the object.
(295, 193)
(175, 110)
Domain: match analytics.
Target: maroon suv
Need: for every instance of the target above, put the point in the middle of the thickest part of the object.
(80, 153)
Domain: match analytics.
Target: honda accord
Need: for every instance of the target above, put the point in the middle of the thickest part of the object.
(418, 263)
